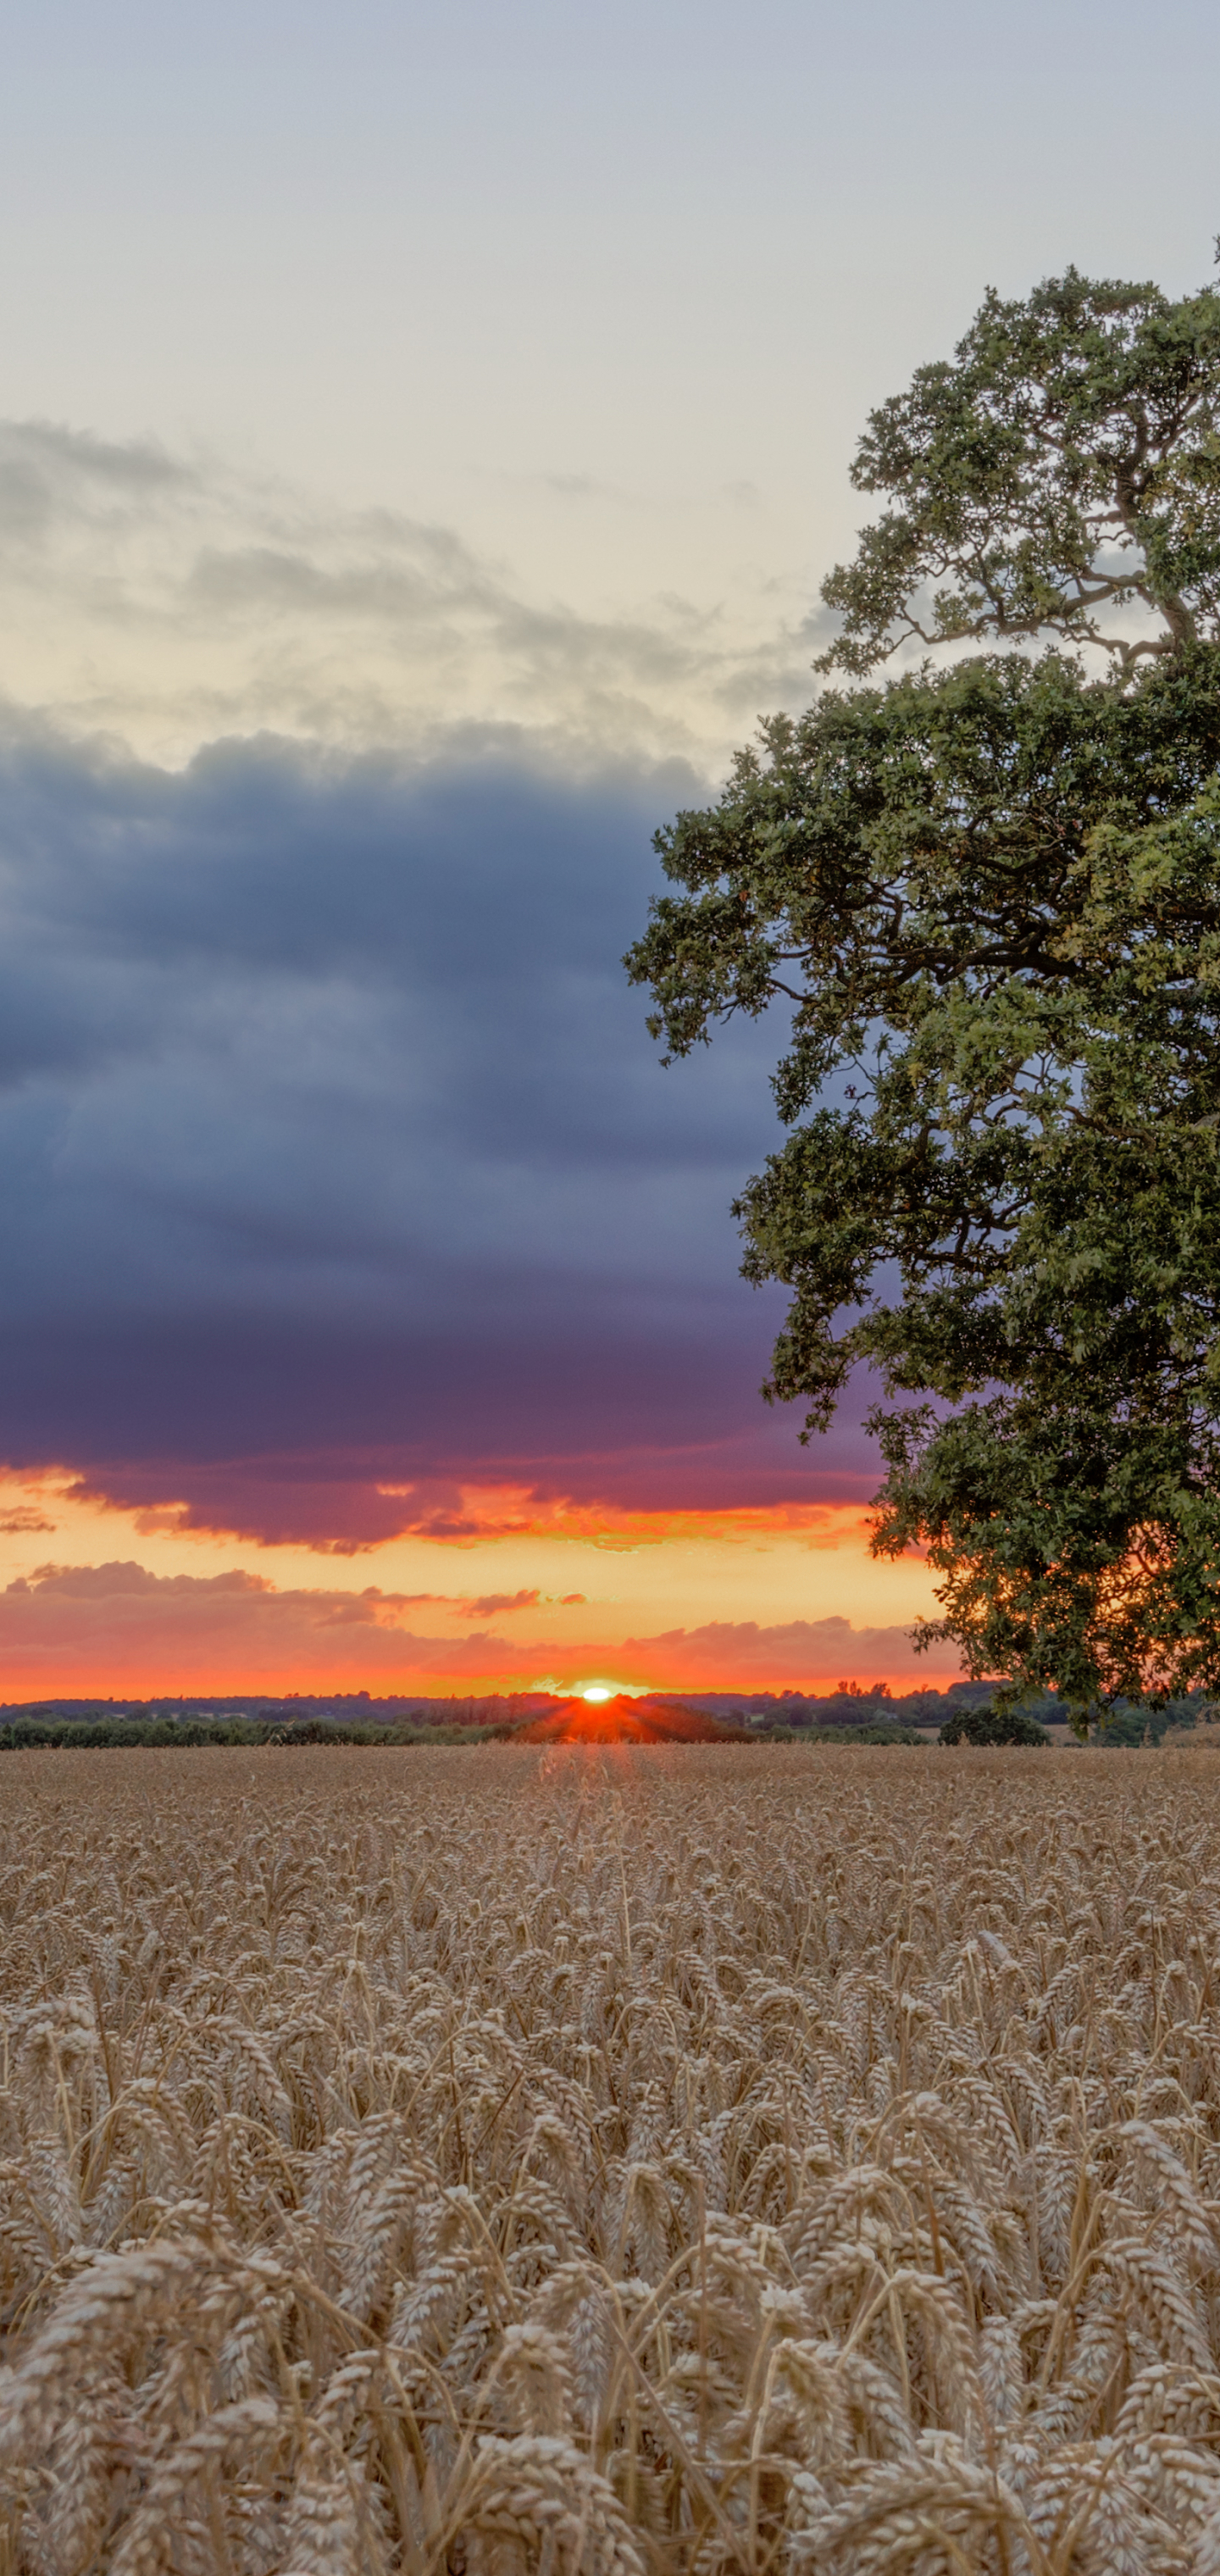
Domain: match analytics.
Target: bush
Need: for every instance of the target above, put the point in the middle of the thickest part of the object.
(992, 1726)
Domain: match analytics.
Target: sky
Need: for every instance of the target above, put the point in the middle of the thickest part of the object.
(425, 431)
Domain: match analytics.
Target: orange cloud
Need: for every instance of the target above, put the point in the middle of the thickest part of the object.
(270, 1513)
(117, 1628)
(481, 1512)
(110, 1629)
(792, 1654)
(491, 1604)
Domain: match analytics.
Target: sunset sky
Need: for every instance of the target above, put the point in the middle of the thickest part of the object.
(426, 429)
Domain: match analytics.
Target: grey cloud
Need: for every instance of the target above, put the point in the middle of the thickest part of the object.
(336, 1163)
(331, 1135)
(394, 570)
(581, 487)
(50, 474)
(422, 579)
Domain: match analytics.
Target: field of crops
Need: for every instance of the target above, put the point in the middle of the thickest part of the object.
(610, 2160)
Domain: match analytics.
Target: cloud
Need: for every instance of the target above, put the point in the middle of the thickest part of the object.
(341, 1179)
(490, 1605)
(118, 1627)
(169, 599)
(340, 1175)
(797, 1652)
(493, 1605)
(56, 482)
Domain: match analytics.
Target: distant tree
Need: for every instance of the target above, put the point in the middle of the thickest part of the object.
(992, 1726)
(1124, 1728)
(991, 894)
(1123, 1725)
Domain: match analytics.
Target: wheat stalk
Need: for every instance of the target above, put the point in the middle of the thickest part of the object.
(609, 2165)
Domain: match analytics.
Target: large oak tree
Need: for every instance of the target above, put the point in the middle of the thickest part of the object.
(990, 890)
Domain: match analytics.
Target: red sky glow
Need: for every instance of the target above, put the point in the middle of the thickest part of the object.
(105, 1600)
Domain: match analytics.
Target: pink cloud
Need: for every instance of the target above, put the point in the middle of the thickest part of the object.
(107, 1629)
(732, 1654)
(114, 1628)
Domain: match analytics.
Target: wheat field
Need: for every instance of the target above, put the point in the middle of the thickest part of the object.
(610, 2161)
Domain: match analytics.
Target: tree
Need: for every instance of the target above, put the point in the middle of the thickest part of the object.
(992, 1726)
(989, 890)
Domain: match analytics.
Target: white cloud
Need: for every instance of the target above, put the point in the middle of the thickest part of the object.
(169, 599)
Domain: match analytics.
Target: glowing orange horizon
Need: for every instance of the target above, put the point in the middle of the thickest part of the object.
(99, 1599)
(99, 1679)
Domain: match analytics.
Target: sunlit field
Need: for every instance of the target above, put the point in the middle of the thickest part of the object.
(610, 2160)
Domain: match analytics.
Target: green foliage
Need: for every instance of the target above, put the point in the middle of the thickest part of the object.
(993, 1726)
(1064, 466)
(991, 895)
(1123, 1729)
(1124, 1725)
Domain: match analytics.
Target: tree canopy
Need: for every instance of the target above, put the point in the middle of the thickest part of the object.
(989, 890)
(1063, 466)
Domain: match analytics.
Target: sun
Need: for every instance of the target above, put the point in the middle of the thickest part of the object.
(597, 1690)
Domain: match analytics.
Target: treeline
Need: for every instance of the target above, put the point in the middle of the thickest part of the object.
(19, 1734)
(91, 1734)
(851, 1706)
(345, 1708)
(965, 1714)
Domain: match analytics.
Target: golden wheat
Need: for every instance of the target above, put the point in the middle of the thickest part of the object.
(613, 2162)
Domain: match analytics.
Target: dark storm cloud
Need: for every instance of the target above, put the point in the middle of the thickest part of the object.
(334, 1153)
